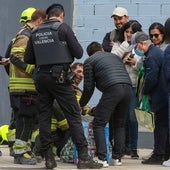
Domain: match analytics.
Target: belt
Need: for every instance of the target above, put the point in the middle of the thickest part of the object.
(47, 68)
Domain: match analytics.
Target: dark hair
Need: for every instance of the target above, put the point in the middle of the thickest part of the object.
(37, 14)
(159, 26)
(134, 24)
(55, 10)
(93, 47)
(167, 30)
(74, 65)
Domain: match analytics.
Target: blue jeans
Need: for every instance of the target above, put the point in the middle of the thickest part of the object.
(132, 123)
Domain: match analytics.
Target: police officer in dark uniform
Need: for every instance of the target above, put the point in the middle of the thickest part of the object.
(52, 47)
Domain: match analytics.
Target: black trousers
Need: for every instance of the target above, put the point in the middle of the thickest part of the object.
(113, 106)
(161, 132)
(48, 90)
(25, 110)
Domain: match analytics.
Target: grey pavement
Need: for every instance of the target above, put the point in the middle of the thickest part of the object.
(6, 163)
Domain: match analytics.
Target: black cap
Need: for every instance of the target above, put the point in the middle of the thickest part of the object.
(54, 6)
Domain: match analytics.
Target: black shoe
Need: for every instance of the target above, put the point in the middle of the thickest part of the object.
(0, 153)
(11, 152)
(166, 156)
(88, 163)
(153, 160)
(50, 162)
(134, 154)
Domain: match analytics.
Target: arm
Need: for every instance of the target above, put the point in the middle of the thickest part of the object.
(89, 84)
(152, 66)
(74, 46)
(166, 63)
(8, 50)
(120, 49)
(107, 46)
(18, 54)
(21, 64)
(7, 55)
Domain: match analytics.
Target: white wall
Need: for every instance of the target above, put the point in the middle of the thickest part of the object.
(91, 19)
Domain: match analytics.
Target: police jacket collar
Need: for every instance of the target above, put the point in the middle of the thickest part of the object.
(51, 20)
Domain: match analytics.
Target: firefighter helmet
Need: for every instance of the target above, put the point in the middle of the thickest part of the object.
(26, 14)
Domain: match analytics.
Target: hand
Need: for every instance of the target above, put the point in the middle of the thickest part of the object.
(131, 60)
(111, 43)
(5, 61)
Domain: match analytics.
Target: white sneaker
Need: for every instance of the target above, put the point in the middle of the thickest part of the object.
(166, 163)
(105, 164)
(115, 162)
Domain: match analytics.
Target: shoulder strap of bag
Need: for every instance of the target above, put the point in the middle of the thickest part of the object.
(112, 35)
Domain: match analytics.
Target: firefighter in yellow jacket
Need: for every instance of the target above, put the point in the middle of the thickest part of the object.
(77, 68)
(22, 89)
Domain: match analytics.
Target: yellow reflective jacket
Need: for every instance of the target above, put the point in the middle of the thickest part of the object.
(3, 133)
(78, 93)
(21, 80)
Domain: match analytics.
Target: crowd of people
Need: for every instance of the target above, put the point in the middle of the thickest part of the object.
(47, 104)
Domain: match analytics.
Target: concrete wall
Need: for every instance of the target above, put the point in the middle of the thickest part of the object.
(92, 19)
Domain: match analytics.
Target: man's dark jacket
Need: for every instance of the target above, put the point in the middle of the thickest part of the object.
(102, 70)
(166, 67)
(155, 85)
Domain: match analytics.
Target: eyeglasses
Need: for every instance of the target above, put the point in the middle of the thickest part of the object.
(154, 35)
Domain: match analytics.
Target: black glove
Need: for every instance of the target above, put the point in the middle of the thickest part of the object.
(17, 62)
